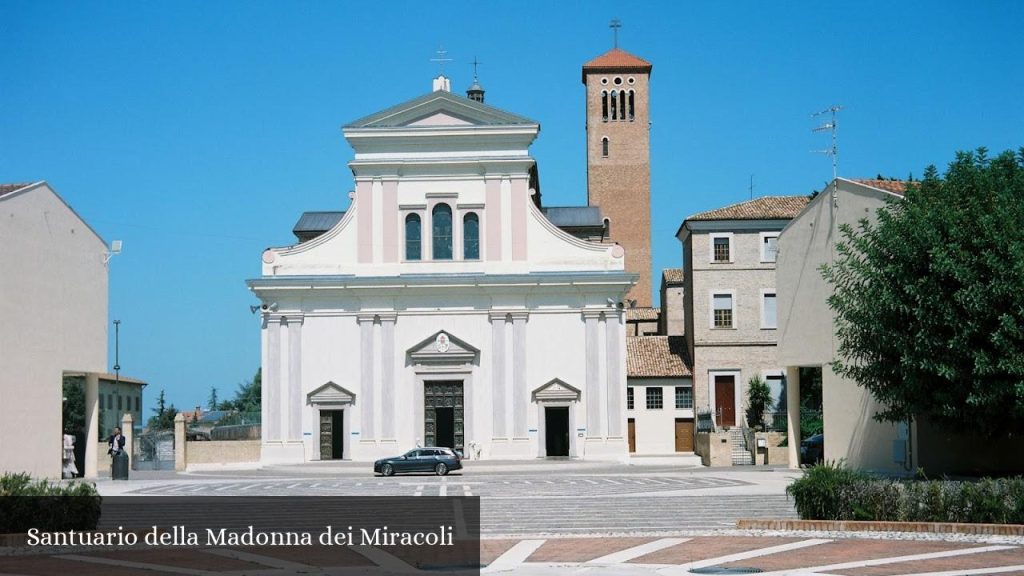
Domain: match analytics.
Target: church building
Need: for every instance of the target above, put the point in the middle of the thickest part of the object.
(446, 306)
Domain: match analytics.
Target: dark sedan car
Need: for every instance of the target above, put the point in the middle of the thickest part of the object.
(812, 450)
(437, 460)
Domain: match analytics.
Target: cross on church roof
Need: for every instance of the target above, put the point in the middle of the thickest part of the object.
(475, 64)
(440, 58)
(615, 25)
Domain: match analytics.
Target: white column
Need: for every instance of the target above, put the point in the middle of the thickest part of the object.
(520, 394)
(616, 384)
(595, 429)
(367, 425)
(294, 394)
(272, 383)
(387, 369)
(498, 374)
(92, 422)
(793, 414)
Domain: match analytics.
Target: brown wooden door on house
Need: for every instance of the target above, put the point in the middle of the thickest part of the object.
(684, 435)
(725, 400)
(631, 426)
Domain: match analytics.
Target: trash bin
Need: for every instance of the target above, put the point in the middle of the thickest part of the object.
(119, 466)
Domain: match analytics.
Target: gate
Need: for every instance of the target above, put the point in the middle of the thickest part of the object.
(153, 451)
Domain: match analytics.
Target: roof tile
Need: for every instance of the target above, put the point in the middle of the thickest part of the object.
(672, 275)
(644, 314)
(766, 208)
(8, 188)
(894, 186)
(657, 357)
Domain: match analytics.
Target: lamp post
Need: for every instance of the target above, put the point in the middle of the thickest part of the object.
(117, 354)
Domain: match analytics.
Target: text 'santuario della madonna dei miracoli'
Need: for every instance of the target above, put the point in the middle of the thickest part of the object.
(444, 307)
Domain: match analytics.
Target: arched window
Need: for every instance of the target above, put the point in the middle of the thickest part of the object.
(622, 105)
(442, 232)
(413, 238)
(604, 146)
(471, 237)
(630, 105)
(604, 105)
(615, 109)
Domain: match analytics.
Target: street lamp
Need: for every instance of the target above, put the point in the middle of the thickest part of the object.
(117, 355)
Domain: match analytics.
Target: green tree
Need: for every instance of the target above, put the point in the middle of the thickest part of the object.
(248, 397)
(929, 300)
(758, 397)
(212, 403)
(74, 405)
(163, 417)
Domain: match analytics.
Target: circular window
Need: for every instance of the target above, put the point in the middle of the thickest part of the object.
(631, 80)
(618, 81)
(604, 80)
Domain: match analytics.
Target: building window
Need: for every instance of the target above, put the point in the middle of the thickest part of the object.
(654, 399)
(630, 105)
(722, 310)
(684, 397)
(615, 107)
(110, 402)
(622, 105)
(769, 247)
(119, 403)
(629, 398)
(471, 237)
(720, 249)
(604, 105)
(137, 409)
(604, 147)
(442, 232)
(768, 310)
(413, 237)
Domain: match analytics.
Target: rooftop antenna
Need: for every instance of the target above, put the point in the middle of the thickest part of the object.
(441, 58)
(751, 186)
(615, 25)
(832, 151)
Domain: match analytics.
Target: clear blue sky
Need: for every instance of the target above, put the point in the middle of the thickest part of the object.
(197, 132)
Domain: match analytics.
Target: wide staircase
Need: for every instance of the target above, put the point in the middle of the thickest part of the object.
(740, 453)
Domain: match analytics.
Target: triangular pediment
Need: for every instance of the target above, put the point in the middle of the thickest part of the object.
(556, 391)
(331, 393)
(440, 108)
(442, 347)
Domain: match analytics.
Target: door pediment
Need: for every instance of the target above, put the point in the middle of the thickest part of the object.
(556, 391)
(330, 394)
(443, 348)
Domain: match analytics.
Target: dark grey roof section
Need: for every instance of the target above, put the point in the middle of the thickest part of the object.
(574, 216)
(313, 224)
(476, 112)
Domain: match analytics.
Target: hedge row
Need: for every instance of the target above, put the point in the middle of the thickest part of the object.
(26, 503)
(834, 492)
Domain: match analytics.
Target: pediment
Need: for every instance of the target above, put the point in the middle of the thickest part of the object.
(331, 393)
(440, 108)
(556, 391)
(442, 347)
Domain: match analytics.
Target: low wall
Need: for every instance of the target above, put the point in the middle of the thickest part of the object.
(222, 452)
(772, 453)
(714, 448)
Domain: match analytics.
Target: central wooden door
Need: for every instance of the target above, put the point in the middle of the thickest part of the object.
(631, 427)
(332, 434)
(684, 435)
(725, 400)
(444, 415)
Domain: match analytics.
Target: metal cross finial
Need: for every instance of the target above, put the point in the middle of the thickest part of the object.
(440, 58)
(615, 25)
(475, 64)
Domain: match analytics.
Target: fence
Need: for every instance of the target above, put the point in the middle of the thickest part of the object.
(705, 422)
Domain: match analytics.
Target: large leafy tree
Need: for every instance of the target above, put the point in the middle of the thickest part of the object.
(929, 300)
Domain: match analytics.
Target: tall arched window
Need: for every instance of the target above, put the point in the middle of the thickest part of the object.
(604, 146)
(630, 105)
(471, 237)
(615, 109)
(442, 232)
(413, 238)
(622, 105)
(604, 105)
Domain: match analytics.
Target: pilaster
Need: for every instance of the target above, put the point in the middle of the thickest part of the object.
(591, 319)
(520, 393)
(387, 369)
(367, 428)
(498, 391)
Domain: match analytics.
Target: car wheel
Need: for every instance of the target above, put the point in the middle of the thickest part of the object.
(387, 470)
(441, 469)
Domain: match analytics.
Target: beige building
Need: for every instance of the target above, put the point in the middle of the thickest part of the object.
(671, 321)
(659, 396)
(730, 315)
(53, 301)
(807, 339)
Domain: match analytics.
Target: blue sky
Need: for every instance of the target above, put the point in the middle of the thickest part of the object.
(197, 132)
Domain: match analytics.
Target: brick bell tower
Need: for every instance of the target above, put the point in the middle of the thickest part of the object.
(619, 159)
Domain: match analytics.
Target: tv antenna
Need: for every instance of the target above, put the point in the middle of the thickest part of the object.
(833, 150)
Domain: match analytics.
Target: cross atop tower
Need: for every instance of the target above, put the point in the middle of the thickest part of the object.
(615, 25)
(440, 58)
(475, 64)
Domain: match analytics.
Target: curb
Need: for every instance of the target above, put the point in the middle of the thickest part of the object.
(872, 526)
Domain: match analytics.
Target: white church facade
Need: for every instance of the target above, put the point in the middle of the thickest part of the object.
(443, 307)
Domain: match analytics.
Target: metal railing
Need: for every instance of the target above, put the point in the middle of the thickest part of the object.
(705, 420)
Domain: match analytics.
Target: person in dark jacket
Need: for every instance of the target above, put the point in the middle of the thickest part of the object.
(115, 442)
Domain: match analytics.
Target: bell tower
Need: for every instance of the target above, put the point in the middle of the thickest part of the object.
(618, 157)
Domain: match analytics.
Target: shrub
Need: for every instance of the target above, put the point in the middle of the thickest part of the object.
(26, 503)
(820, 493)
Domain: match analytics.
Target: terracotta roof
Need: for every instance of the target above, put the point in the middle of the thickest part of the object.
(642, 314)
(766, 208)
(616, 59)
(672, 275)
(657, 357)
(894, 186)
(8, 188)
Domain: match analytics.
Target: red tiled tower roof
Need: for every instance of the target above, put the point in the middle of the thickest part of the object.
(616, 59)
